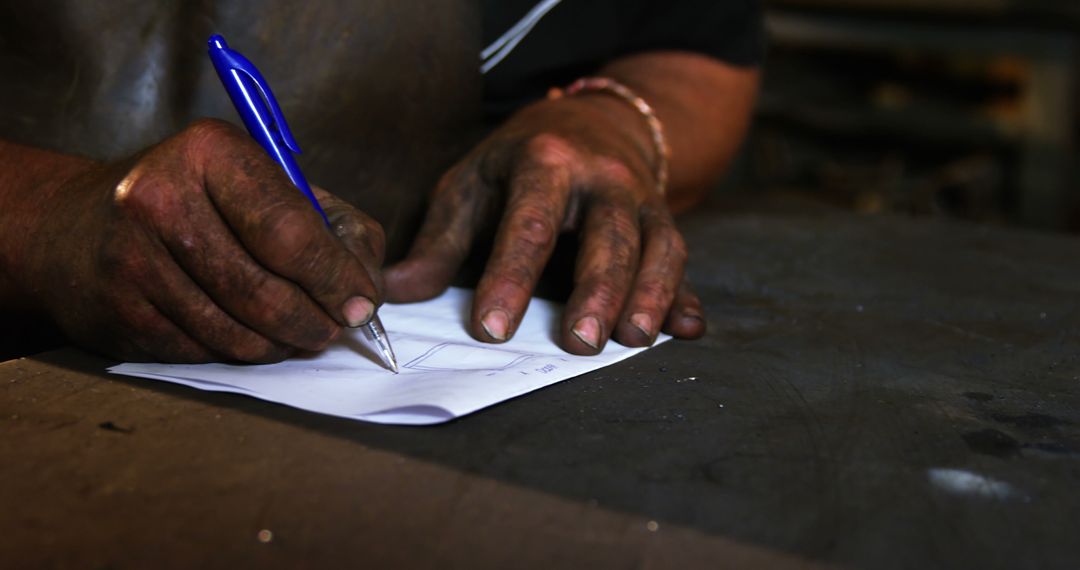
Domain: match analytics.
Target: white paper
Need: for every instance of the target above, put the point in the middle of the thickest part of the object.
(445, 374)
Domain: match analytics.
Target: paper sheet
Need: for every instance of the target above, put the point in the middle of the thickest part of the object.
(445, 374)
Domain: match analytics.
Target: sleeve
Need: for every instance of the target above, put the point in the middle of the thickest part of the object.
(577, 37)
(729, 30)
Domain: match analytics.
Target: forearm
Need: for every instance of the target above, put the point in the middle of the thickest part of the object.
(705, 107)
(29, 181)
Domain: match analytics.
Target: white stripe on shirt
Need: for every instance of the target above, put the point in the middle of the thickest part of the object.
(500, 48)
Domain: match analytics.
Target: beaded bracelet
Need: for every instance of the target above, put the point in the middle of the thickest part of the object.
(656, 128)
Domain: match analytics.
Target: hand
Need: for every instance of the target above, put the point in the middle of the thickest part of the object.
(201, 249)
(575, 164)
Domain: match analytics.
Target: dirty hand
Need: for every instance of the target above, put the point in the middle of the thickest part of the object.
(576, 164)
(200, 249)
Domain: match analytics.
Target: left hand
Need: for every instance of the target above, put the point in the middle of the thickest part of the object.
(580, 163)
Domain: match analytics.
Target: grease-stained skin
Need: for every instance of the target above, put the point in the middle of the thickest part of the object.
(584, 164)
(580, 164)
(111, 80)
(200, 249)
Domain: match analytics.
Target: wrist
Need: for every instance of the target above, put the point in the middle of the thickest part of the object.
(30, 186)
(645, 129)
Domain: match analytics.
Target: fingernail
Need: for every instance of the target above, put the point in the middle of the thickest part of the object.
(496, 324)
(643, 322)
(587, 330)
(358, 311)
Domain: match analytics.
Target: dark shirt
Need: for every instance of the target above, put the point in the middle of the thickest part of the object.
(578, 36)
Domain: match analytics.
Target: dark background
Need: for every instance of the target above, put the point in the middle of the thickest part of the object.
(962, 109)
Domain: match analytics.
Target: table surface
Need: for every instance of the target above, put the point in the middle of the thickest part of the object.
(874, 392)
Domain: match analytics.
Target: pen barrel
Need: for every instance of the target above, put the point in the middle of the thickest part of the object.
(292, 169)
(251, 107)
(265, 121)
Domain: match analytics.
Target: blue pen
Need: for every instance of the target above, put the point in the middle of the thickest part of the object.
(263, 118)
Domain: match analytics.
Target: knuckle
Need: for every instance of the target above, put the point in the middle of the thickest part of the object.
(615, 172)
(660, 230)
(605, 294)
(130, 191)
(139, 192)
(677, 250)
(622, 223)
(363, 235)
(207, 132)
(204, 138)
(621, 233)
(534, 229)
(551, 151)
(260, 290)
(144, 198)
(655, 290)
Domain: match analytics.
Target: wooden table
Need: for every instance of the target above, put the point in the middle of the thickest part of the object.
(874, 392)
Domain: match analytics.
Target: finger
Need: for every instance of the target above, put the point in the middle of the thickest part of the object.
(140, 333)
(539, 193)
(194, 234)
(360, 233)
(444, 239)
(184, 303)
(278, 226)
(662, 264)
(605, 271)
(169, 343)
(686, 318)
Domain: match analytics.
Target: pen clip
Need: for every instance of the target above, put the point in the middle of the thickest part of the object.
(221, 55)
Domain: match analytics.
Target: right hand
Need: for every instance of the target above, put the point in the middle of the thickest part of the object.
(201, 249)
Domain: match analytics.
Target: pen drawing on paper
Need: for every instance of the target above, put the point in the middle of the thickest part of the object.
(456, 356)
